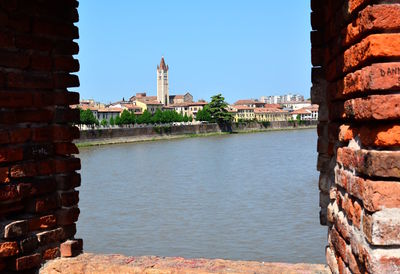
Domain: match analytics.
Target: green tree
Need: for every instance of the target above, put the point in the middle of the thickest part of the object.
(203, 115)
(104, 123)
(218, 110)
(112, 122)
(145, 118)
(157, 117)
(126, 117)
(118, 120)
(185, 118)
(87, 117)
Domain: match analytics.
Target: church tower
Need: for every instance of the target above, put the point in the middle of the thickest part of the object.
(162, 83)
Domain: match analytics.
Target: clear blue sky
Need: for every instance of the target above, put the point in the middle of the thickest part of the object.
(242, 49)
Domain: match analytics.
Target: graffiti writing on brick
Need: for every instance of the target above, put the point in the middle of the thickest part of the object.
(390, 72)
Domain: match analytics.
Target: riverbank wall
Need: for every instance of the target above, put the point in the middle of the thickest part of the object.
(100, 136)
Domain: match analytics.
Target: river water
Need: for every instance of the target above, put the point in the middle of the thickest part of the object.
(241, 197)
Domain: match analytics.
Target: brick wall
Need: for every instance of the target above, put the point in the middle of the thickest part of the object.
(356, 82)
(38, 200)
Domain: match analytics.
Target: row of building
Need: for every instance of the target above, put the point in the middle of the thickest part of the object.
(271, 108)
(244, 110)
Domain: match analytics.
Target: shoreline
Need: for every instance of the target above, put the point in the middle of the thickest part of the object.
(146, 138)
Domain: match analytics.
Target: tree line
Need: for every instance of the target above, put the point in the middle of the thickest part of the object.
(215, 112)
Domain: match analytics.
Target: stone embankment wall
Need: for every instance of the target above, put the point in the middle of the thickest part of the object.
(356, 82)
(37, 168)
(146, 131)
(140, 133)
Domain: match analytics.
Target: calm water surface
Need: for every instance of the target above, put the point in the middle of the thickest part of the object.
(247, 197)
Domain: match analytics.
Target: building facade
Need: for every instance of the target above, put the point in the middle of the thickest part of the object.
(162, 83)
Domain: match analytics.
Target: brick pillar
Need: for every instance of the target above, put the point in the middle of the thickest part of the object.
(38, 200)
(356, 82)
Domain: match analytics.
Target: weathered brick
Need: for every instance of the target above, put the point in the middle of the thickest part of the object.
(43, 204)
(376, 195)
(65, 80)
(383, 227)
(71, 248)
(52, 29)
(370, 162)
(41, 62)
(14, 229)
(28, 244)
(51, 253)
(30, 80)
(375, 107)
(372, 47)
(70, 181)
(372, 18)
(27, 262)
(66, 63)
(50, 236)
(68, 198)
(65, 148)
(9, 192)
(11, 154)
(12, 59)
(8, 249)
(67, 216)
(43, 222)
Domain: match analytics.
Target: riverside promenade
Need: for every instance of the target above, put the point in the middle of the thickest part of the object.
(109, 264)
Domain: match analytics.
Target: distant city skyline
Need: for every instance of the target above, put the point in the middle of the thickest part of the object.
(242, 50)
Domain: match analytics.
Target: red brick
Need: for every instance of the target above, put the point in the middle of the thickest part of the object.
(71, 248)
(20, 135)
(41, 62)
(375, 107)
(70, 181)
(373, 18)
(69, 198)
(67, 165)
(43, 222)
(33, 43)
(9, 192)
(10, 59)
(50, 236)
(370, 162)
(12, 99)
(52, 29)
(27, 262)
(8, 249)
(382, 228)
(372, 47)
(67, 216)
(11, 154)
(376, 195)
(64, 80)
(66, 115)
(66, 47)
(66, 63)
(23, 170)
(338, 242)
(29, 80)
(14, 229)
(51, 253)
(43, 204)
(4, 175)
(65, 148)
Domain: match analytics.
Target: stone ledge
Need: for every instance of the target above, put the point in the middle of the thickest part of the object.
(93, 263)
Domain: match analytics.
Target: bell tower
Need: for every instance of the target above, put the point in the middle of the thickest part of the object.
(162, 83)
